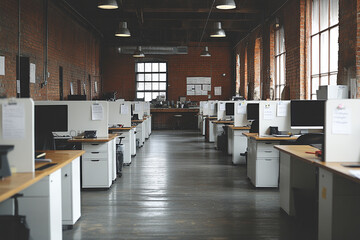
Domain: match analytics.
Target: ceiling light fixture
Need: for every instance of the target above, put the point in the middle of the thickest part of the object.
(107, 4)
(205, 52)
(138, 53)
(217, 31)
(225, 4)
(122, 31)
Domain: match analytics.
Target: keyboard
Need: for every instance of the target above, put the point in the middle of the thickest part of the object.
(62, 137)
(45, 166)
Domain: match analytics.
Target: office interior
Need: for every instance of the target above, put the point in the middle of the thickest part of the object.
(206, 119)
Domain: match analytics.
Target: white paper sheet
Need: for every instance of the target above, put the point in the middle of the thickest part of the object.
(206, 87)
(217, 91)
(268, 112)
(341, 121)
(204, 93)
(190, 87)
(356, 173)
(190, 93)
(32, 72)
(13, 121)
(2, 65)
(222, 106)
(241, 109)
(97, 112)
(282, 109)
(124, 109)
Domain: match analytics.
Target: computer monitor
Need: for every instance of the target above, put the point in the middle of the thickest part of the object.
(48, 119)
(252, 111)
(229, 109)
(307, 114)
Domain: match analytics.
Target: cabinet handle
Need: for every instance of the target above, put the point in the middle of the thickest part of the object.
(66, 175)
(95, 144)
(268, 143)
(268, 159)
(95, 160)
(268, 151)
(95, 152)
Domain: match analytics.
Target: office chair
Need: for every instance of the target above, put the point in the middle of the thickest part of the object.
(254, 127)
(310, 138)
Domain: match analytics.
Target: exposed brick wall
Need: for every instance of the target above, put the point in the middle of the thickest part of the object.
(294, 15)
(119, 71)
(257, 68)
(70, 45)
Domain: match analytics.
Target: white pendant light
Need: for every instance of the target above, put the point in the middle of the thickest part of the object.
(217, 31)
(225, 4)
(138, 53)
(122, 31)
(205, 52)
(107, 4)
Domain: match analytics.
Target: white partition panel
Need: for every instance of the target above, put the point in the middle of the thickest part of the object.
(138, 108)
(80, 116)
(275, 114)
(240, 117)
(221, 106)
(120, 113)
(17, 128)
(212, 105)
(342, 130)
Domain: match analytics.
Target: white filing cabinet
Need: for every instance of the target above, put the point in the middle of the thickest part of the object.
(71, 197)
(140, 133)
(41, 204)
(239, 145)
(263, 163)
(133, 141)
(97, 165)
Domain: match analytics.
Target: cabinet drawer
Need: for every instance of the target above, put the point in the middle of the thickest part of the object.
(95, 174)
(266, 149)
(95, 159)
(95, 147)
(39, 189)
(95, 154)
(267, 172)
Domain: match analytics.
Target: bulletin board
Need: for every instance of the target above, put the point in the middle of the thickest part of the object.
(197, 86)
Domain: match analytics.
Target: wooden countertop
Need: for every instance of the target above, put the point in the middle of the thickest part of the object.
(299, 151)
(120, 129)
(19, 181)
(239, 128)
(108, 139)
(269, 138)
(223, 122)
(173, 110)
(137, 121)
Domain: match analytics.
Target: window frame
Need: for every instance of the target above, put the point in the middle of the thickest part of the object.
(151, 72)
(318, 34)
(277, 55)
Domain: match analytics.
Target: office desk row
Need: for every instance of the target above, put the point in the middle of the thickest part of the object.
(51, 197)
(337, 190)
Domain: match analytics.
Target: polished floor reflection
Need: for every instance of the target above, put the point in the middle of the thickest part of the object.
(179, 187)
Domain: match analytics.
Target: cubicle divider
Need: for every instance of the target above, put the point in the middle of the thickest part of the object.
(274, 113)
(120, 113)
(342, 130)
(240, 117)
(84, 115)
(17, 128)
(138, 108)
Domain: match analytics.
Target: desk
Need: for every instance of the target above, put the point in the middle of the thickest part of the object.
(163, 118)
(237, 143)
(338, 192)
(50, 195)
(127, 141)
(218, 130)
(98, 162)
(263, 159)
(140, 131)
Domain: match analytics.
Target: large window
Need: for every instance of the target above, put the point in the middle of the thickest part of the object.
(280, 55)
(151, 80)
(324, 44)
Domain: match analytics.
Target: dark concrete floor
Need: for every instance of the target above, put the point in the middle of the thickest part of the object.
(179, 187)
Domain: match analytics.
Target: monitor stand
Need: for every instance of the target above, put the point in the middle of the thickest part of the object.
(4, 163)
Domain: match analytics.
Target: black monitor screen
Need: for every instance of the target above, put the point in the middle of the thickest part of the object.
(307, 114)
(252, 111)
(48, 119)
(229, 109)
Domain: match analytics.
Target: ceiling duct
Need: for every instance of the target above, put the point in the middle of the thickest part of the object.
(155, 50)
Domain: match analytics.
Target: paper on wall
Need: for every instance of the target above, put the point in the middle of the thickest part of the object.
(13, 121)
(190, 87)
(124, 109)
(32, 72)
(206, 87)
(2, 65)
(204, 93)
(191, 92)
(282, 109)
(97, 112)
(268, 112)
(341, 123)
(222, 106)
(217, 91)
(241, 109)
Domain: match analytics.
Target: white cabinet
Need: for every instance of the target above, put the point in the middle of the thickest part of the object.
(140, 133)
(239, 145)
(126, 141)
(97, 165)
(71, 197)
(263, 163)
(41, 204)
(133, 141)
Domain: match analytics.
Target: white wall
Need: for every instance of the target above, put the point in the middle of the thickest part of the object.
(269, 115)
(120, 113)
